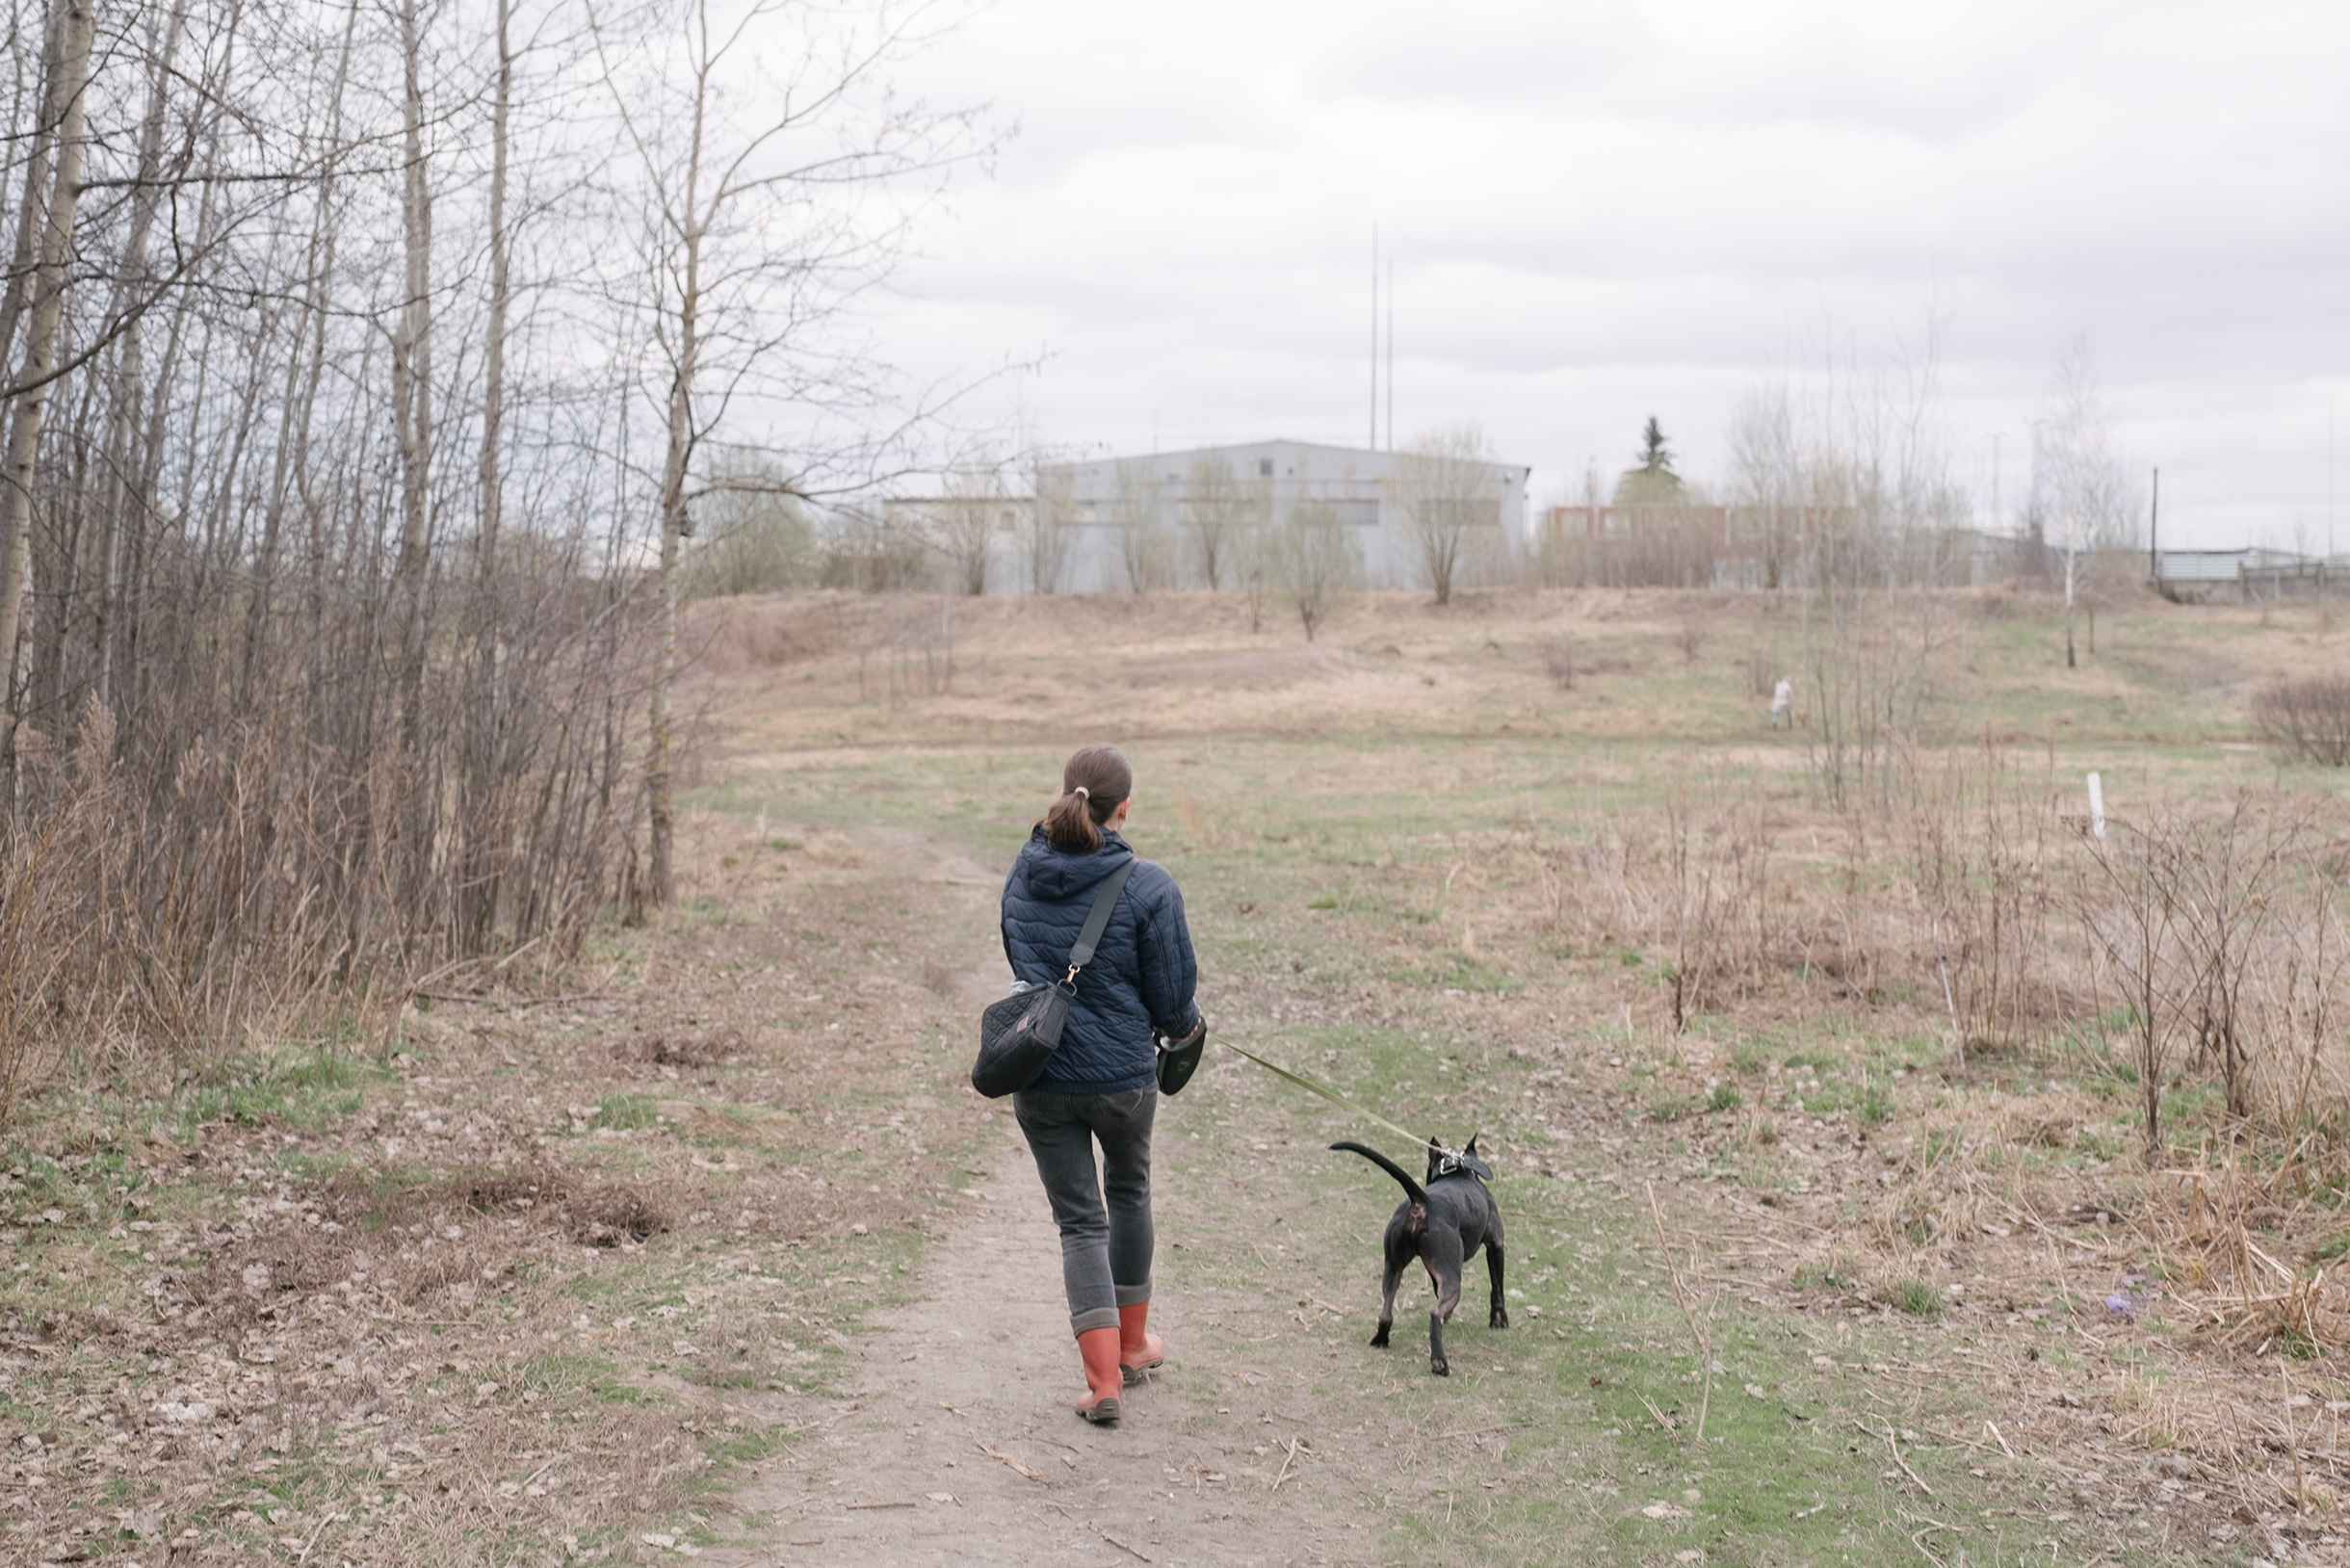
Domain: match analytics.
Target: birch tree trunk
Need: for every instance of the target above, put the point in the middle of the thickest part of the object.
(412, 383)
(673, 473)
(482, 819)
(123, 408)
(50, 110)
(37, 369)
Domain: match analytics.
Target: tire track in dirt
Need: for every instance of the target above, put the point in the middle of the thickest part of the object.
(901, 1472)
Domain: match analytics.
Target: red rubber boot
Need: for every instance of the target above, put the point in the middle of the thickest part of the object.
(1139, 1351)
(1102, 1380)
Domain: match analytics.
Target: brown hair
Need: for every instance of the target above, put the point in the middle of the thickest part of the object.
(1093, 784)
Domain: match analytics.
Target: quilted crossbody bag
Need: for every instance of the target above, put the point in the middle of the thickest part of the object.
(1018, 1034)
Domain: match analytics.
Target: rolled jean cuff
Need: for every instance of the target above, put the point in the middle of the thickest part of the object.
(1084, 1322)
(1131, 1295)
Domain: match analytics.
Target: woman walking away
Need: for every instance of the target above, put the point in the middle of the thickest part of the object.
(1101, 1083)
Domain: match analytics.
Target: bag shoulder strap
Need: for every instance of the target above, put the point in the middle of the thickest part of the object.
(1097, 921)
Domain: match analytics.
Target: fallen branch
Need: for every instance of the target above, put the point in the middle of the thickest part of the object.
(1291, 1446)
(1896, 1446)
(1121, 1545)
(1006, 1458)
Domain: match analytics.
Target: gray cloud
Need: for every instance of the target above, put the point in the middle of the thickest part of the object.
(1598, 212)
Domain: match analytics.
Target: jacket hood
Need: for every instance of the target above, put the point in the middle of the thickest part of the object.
(1052, 874)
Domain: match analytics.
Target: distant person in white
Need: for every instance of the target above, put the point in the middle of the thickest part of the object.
(1781, 705)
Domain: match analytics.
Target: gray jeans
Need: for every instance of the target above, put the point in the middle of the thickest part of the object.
(1104, 1257)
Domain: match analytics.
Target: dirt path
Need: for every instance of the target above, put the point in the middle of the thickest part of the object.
(900, 1472)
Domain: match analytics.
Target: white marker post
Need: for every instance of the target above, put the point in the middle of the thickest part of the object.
(2097, 807)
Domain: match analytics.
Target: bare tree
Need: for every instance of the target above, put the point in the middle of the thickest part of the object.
(1144, 549)
(972, 510)
(1048, 524)
(72, 24)
(346, 352)
(1766, 478)
(1866, 480)
(1449, 491)
(772, 172)
(1314, 561)
(750, 534)
(1218, 509)
(2076, 476)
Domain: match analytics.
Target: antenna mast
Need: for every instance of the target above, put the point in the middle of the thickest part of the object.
(1374, 334)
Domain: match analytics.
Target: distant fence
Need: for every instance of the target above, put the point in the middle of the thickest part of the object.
(2249, 576)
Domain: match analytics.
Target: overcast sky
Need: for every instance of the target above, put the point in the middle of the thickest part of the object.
(1597, 212)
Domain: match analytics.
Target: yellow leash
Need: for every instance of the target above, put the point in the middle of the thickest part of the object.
(1317, 1086)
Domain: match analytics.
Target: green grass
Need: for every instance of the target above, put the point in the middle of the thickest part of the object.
(1782, 1475)
(1919, 1297)
(1366, 822)
(625, 1111)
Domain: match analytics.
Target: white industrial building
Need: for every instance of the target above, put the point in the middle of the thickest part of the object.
(1106, 499)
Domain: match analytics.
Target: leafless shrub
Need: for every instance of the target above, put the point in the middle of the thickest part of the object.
(1315, 562)
(1761, 672)
(1979, 855)
(1689, 636)
(1558, 662)
(1702, 889)
(1717, 904)
(905, 647)
(2306, 719)
(1449, 492)
(2221, 933)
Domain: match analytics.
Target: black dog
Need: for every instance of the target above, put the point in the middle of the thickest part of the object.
(1441, 1224)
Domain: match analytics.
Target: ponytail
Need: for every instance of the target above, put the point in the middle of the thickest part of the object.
(1094, 783)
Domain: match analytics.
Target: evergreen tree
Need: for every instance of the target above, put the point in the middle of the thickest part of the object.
(1653, 482)
(1655, 458)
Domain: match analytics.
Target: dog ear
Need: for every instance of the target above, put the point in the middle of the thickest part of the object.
(1471, 1144)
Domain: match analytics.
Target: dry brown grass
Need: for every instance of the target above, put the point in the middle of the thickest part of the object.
(1963, 1116)
(530, 1283)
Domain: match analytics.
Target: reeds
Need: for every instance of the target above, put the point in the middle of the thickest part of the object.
(303, 857)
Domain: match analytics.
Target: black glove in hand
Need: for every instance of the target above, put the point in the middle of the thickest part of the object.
(1179, 1059)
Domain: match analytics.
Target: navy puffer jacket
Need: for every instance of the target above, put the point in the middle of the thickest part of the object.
(1142, 972)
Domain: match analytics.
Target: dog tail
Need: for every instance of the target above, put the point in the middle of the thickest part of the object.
(1411, 1189)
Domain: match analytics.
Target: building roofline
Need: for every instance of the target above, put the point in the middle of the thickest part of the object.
(1269, 441)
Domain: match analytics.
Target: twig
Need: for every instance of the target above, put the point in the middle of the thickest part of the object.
(1992, 1428)
(2027, 1217)
(1705, 1351)
(320, 1529)
(1659, 1415)
(993, 1453)
(1958, 1035)
(1888, 1435)
(1121, 1545)
(1291, 1446)
(2292, 1441)
(854, 1508)
(2064, 1287)
(1917, 1537)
